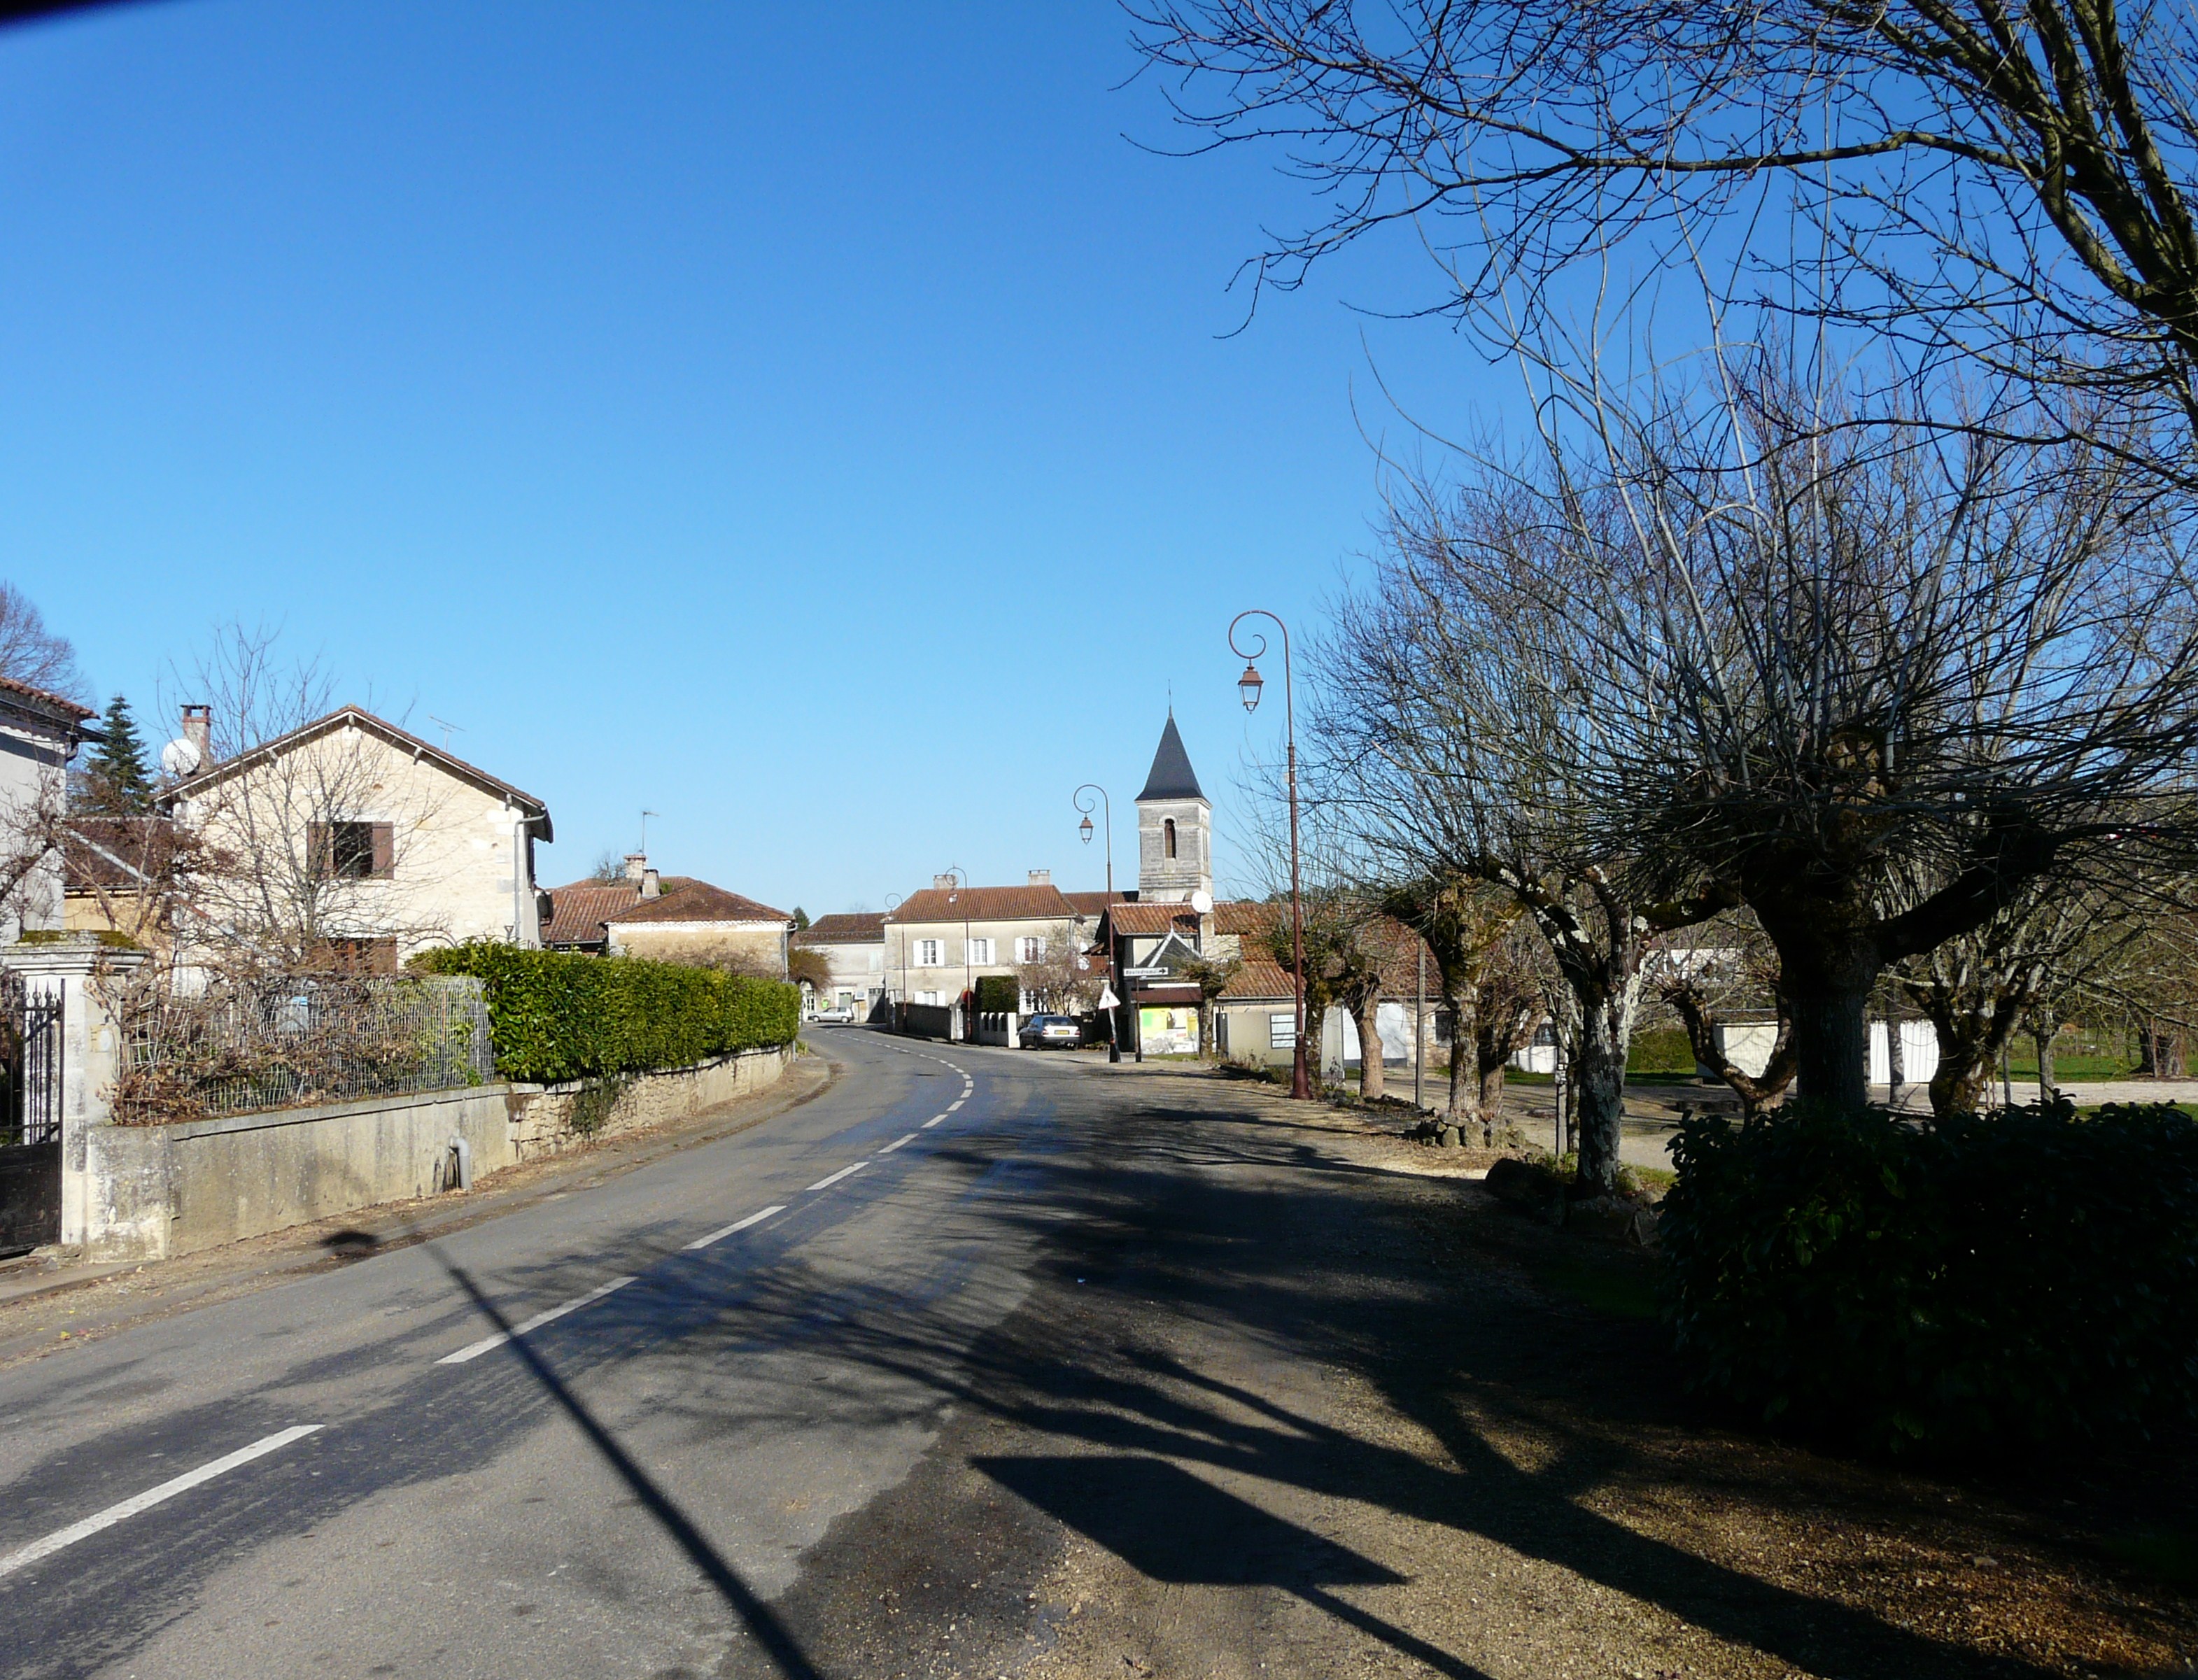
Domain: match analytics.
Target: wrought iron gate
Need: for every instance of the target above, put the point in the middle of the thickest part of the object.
(30, 1117)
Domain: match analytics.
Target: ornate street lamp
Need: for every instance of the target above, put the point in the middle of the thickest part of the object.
(1248, 686)
(1107, 806)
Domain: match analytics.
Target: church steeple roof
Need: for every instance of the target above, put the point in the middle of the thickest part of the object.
(1172, 777)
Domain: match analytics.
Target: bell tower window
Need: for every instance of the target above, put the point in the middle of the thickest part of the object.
(1167, 836)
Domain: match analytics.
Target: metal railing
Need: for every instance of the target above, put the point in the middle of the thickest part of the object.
(294, 1043)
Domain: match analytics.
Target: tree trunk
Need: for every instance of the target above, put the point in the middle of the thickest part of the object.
(1462, 1035)
(1896, 1060)
(1367, 1017)
(2160, 1053)
(1598, 1082)
(2041, 1032)
(1492, 1102)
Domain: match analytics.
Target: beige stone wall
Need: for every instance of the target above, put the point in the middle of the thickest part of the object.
(760, 951)
(153, 1191)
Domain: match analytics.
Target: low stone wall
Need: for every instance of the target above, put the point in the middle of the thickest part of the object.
(153, 1191)
(542, 1116)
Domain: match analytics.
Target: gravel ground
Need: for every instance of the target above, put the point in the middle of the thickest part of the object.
(1322, 1406)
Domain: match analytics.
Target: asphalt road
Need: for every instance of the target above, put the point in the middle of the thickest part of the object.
(624, 1489)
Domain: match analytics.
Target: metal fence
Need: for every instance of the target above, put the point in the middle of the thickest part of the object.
(288, 1043)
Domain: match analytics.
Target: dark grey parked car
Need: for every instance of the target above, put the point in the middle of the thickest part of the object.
(1042, 1032)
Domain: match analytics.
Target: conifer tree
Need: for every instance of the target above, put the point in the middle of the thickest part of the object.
(117, 781)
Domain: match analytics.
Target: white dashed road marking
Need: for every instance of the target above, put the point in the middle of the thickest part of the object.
(832, 1178)
(933, 1121)
(896, 1143)
(725, 1231)
(486, 1343)
(151, 1496)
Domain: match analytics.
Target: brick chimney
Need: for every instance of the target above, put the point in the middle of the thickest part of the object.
(944, 883)
(198, 730)
(637, 866)
(1041, 877)
(650, 886)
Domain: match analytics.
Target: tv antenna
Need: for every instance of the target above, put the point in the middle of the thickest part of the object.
(448, 727)
(645, 815)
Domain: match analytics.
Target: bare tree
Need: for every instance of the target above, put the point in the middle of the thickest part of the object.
(32, 654)
(1484, 980)
(2010, 188)
(1463, 731)
(294, 823)
(1730, 968)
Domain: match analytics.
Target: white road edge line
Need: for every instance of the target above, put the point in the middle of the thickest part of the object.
(933, 1121)
(487, 1343)
(832, 1178)
(725, 1231)
(151, 1496)
(896, 1143)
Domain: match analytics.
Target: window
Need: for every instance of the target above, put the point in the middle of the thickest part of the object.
(1282, 1032)
(927, 997)
(927, 953)
(1167, 837)
(980, 950)
(353, 850)
(360, 956)
(1030, 950)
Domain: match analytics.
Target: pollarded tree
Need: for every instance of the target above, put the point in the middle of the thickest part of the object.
(2010, 189)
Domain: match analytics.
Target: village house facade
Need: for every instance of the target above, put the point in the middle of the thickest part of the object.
(349, 842)
(938, 943)
(39, 733)
(851, 944)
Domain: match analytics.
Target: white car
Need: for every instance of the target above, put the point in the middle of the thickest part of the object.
(838, 1016)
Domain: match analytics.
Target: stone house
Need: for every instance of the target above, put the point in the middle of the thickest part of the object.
(853, 945)
(938, 943)
(39, 733)
(687, 921)
(349, 840)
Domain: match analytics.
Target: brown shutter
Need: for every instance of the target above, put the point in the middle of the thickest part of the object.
(385, 850)
(320, 852)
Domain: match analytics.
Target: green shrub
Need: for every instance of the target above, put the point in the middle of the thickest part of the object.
(558, 1016)
(1663, 1050)
(997, 994)
(2030, 1277)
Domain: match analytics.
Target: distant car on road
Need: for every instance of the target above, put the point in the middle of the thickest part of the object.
(834, 1017)
(1057, 1031)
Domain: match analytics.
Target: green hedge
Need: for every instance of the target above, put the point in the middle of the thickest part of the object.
(2030, 1277)
(557, 1016)
(1663, 1049)
(998, 994)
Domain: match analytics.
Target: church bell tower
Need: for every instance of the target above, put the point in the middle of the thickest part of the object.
(1175, 828)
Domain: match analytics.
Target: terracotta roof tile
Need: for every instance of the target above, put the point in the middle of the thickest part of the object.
(984, 903)
(686, 900)
(55, 702)
(1259, 979)
(1142, 919)
(843, 927)
(1246, 918)
(1096, 904)
(577, 912)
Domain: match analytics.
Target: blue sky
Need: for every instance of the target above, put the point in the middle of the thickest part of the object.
(818, 426)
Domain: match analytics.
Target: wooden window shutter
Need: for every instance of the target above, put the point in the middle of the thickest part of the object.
(385, 850)
(320, 852)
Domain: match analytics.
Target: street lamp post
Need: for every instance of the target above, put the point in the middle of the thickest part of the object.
(1106, 807)
(1248, 686)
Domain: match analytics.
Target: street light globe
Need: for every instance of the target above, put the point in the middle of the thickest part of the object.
(1249, 685)
(1085, 828)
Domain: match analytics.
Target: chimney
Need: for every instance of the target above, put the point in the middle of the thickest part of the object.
(650, 887)
(944, 883)
(198, 730)
(1041, 877)
(637, 866)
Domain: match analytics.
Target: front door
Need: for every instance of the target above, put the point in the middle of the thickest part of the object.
(30, 1118)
